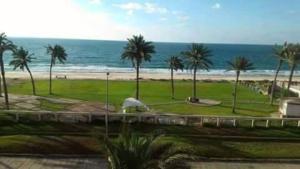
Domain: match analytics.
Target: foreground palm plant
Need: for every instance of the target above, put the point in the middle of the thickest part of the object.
(174, 63)
(56, 52)
(21, 58)
(238, 64)
(5, 45)
(281, 54)
(131, 151)
(138, 50)
(197, 57)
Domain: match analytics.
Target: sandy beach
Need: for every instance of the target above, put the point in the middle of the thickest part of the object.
(131, 76)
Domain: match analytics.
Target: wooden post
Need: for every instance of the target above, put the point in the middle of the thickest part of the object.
(282, 123)
(253, 123)
(124, 118)
(56, 116)
(156, 119)
(234, 122)
(17, 117)
(139, 118)
(267, 123)
(186, 120)
(218, 122)
(201, 121)
(298, 123)
(90, 118)
(39, 117)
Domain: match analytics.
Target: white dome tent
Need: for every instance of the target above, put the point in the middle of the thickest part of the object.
(132, 102)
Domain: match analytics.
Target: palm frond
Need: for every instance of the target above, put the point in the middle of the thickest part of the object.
(197, 57)
(132, 151)
(57, 52)
(21, 58)
(240, 63)
(138, 50)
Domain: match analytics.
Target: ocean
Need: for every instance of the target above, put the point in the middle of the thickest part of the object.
(100, 56)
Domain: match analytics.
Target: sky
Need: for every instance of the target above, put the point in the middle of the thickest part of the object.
(201, 21)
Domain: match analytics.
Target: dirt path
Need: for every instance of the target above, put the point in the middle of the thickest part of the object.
(34, 103)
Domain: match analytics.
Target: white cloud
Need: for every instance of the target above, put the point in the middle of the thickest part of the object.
(163, 19)
(95, 2)
(153, 8)
(183, 18)
(216, 6)
(59, 19)
(130, 7)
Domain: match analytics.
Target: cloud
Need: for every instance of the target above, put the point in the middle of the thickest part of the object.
(153, 8)
(183, 18)
(216, 6)
(150, 8)
(36, 18)
(95, 2)
(163, 19)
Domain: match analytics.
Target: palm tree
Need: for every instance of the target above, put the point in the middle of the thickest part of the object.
(293, 58)
(138, 50)
(238, 64)
(21, 58)
(197, 57)
(5, 45)
(280, 54)
(131, 151)
(174, 64)
(56, 52)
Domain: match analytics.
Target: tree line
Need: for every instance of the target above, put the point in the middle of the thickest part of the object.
(198, 57)
(138, 50)
(21, 59)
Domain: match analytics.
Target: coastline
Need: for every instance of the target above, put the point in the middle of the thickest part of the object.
(143, 75)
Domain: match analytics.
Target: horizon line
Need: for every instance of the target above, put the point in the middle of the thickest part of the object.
(118, 40)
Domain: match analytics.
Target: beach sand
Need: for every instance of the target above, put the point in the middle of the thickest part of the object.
(131, 76)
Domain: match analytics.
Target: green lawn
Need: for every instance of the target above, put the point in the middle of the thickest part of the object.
(60, 138)
(157, 94)
(63, 138)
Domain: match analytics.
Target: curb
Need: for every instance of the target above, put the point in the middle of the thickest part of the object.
(51, 155)
(251, 160)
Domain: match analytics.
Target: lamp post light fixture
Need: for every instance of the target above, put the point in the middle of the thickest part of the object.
(106, 115)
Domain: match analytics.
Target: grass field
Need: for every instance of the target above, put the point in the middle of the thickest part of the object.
(156, 94)
(60, 138)
(53, 137)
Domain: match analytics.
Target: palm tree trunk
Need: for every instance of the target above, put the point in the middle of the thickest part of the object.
(194, 85)
(275, 82)
(1, 86)
(172, 83)
(50, 78)
(291, 78)
(4, 82)
(32, 81)
(235, 91)
(137, 81)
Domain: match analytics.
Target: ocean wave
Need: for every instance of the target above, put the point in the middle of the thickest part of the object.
(101, 69)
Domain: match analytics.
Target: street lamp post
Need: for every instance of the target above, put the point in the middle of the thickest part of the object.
(106, 115)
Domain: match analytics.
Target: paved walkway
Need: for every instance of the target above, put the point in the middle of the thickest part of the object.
(51, 163)
(95, 163)
(242, 165)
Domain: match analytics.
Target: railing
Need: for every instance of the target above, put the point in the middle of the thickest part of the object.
(166, 119)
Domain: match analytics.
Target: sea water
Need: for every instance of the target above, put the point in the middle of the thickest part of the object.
(100, 56)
